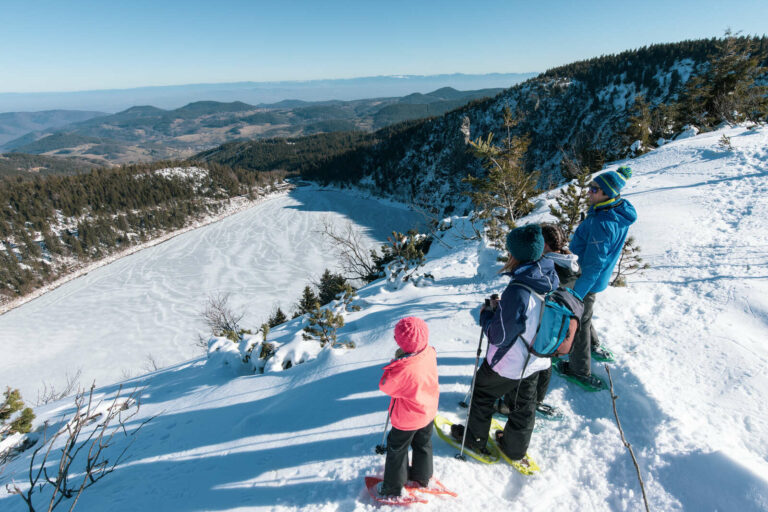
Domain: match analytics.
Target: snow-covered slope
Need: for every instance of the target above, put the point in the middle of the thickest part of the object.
(110, 321)
(689, 339)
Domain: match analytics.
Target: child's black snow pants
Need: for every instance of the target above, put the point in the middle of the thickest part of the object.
(519, 396)
(396, 470)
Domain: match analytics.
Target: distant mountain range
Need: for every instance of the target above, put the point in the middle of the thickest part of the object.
(145, 133)
(15, 124)
(255, 93)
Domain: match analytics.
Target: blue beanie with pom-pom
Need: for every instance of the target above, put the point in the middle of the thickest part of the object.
(612, 182)
(526, 243)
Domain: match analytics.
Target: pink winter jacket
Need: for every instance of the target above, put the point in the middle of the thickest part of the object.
(411, 381)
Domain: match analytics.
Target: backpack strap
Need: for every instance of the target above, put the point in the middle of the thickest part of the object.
(529, 344)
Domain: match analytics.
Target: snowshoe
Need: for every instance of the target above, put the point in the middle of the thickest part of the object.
(443, 429)
(587, 382)
(526, 465)
(549, 412)
(373, 485)
(602, 354)
(433, 486)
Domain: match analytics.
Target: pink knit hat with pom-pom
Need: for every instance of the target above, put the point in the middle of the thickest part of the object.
(412, 334)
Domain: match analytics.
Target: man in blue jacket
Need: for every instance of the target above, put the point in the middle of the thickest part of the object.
(597, 242)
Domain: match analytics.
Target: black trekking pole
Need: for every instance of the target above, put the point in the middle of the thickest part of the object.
(382, 448)
(464, 403)
(467, 398)
(460, 455)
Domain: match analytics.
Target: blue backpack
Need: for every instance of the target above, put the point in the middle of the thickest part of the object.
(558, 322)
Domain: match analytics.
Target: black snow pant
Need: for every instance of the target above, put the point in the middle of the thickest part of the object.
(519, 396)
(396, 470)
(580, 360)
(542, 384)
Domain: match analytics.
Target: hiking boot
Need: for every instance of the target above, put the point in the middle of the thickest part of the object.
(420, 482)
(500, 407)
(477, 445)
(524, 462)
(602, 354)
(586, 381)
(546, 409)
(380, 488)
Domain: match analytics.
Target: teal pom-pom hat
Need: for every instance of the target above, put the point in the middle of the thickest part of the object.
(612, 182)
(526, 243)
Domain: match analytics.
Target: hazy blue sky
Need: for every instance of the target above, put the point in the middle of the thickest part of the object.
(59, 45)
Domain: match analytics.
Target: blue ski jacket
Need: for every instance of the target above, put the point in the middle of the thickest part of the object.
(598, 242)
(518, 314)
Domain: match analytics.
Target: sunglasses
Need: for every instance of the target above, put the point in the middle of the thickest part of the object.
(594, 190)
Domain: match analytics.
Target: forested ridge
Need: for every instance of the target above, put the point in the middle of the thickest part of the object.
(587, 112)
(48, 225)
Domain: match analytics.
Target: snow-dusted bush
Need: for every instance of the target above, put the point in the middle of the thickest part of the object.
(402, 258)
(249, 353)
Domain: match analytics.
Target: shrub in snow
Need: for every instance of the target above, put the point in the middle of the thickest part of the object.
(402, 257)
(322, 326)
(629, 263)
(725, 143)
(249, 353)
(10, 422)
(400, 272)
(222, 319)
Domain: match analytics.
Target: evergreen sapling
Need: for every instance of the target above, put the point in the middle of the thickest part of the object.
(629, 263)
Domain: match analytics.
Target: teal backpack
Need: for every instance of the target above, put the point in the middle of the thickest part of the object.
(558, 322)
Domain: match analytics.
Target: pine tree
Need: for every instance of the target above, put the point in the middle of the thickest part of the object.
(277, 318)
(572, 203)
(307, 303)
(639, 124)
(629, 263)
(505, 192)
(727, 91)
(330, 286)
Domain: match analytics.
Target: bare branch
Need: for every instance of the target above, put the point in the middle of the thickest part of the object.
(49, 394)
(219, 316)
(93, 445)
(624, 439)
(356, 261)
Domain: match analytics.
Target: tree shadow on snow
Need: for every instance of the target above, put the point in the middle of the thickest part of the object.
(379, 222)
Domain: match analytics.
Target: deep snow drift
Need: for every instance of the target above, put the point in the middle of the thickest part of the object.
(108, 322)
(688, 336)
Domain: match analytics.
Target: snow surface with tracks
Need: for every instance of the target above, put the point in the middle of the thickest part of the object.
(689, 338)
(110, 321)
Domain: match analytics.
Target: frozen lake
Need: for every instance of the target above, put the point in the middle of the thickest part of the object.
(108, 322)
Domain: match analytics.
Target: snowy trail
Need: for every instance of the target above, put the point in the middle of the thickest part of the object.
(689, 337)
(108, 321)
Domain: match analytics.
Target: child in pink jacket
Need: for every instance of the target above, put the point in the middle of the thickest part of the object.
(411, 381)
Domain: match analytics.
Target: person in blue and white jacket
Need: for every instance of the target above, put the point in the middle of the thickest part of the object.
(597, 242)
(509, 369)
